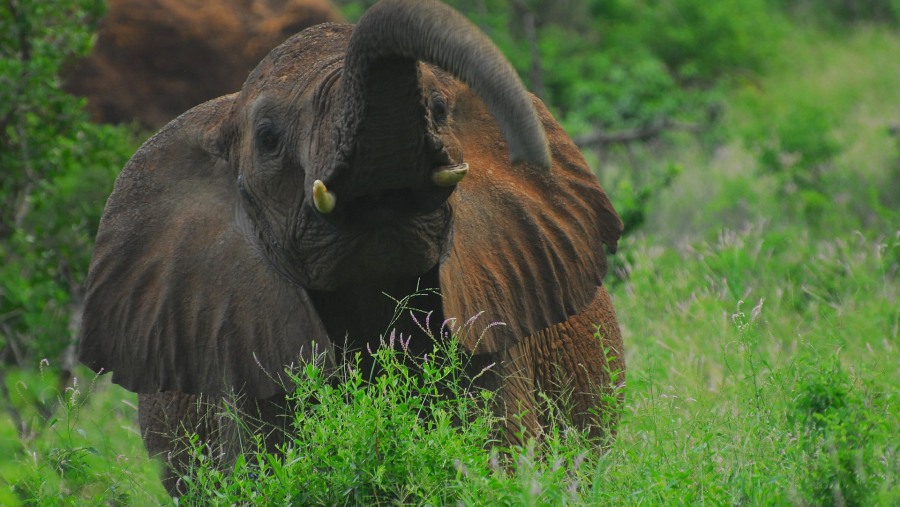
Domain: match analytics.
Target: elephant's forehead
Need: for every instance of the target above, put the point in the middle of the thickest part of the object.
(302, 59)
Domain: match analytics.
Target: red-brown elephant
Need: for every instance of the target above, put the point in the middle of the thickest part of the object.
(155, 59)
(403, 153)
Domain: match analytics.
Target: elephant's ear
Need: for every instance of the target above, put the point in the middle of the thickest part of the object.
(179, 296)
(528, 244)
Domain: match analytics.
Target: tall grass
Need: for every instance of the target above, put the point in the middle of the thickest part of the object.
(749, 350)
(778, 388)
(85, 451)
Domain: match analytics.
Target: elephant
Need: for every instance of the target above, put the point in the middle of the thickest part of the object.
(154, 59)
(262, 228)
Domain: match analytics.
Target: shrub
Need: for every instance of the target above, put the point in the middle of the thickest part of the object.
(57, 169)
(839, 421)
(799, 150)
(414, 434)
(400, 437)
(840, 13)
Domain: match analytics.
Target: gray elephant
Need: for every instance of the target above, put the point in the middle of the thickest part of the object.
(403, 153)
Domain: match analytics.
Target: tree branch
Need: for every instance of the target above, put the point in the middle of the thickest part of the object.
(600, 137)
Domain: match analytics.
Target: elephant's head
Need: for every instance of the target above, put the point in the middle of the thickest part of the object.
(342, 145)
(350, 156)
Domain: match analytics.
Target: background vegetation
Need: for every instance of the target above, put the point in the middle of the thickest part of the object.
(753, 148)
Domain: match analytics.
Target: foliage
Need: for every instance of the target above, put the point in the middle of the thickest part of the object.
(414, 434)
(837, 14)
(834, 424)
(825, 138)
(87, 452)
(634, 195)
(800, 151)
(790, 400)
(395, 439)
(703, 41)
(57, 170)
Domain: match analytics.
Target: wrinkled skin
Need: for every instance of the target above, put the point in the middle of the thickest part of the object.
(217, 262)
(155, 59)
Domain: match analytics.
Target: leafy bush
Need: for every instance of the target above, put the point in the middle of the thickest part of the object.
(397, 438)
(800, 151)
(703, 42)
(57, 169)
(629, 63)
(415, 434)
(840, 13)
(633, 195)
(837, 419)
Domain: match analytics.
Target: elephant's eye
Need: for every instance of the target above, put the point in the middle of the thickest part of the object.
(268, 139)
(439, 110)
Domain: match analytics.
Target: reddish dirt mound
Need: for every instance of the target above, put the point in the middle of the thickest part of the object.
(155, 59)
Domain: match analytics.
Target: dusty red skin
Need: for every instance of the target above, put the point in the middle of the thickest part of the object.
(570, 360)
(212, 270)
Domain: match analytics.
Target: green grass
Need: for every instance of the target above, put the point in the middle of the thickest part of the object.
(760, 309)
(754, 377)
(87, 452)
(747, 331)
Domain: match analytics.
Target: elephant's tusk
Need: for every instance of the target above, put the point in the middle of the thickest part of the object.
(322, 198)
(448, 176)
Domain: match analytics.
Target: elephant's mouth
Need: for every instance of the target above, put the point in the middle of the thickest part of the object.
(365, 204)
(382, 207)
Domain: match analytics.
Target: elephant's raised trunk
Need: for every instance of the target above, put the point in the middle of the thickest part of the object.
(392, 36)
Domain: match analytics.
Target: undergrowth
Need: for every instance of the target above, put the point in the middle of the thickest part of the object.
(780, 388)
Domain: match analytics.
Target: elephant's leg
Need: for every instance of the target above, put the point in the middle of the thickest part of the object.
(509, 374)
(582, 372)
(226, 427)
(247, 417)
(517, 396)
(165, 420)
(582, 367)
